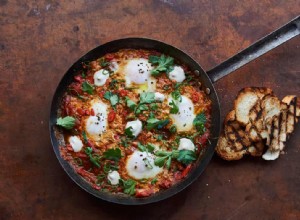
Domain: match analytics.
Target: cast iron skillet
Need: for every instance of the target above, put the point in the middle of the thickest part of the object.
(207, 79)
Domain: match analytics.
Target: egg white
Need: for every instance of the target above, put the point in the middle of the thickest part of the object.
(137, 74)
(137, 168)
(183, 120)
(96, 125)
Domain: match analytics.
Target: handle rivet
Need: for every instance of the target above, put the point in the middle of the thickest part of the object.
(207, 90)
(197, 72)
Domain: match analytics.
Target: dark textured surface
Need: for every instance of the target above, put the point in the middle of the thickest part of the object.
(39, 40)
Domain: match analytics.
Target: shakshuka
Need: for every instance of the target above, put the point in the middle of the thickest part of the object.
(134, 122)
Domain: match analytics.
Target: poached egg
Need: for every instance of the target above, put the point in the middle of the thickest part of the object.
(137, 74)
(183, 120)
(96, 125)
(140, 165)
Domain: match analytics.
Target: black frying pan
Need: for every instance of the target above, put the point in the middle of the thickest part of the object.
(207, 79)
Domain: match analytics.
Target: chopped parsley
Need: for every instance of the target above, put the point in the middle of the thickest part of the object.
(176, 95)
(199, 122)
(146, 148)
(113, 154)
(66, 122)
(94, 158)
(173, 129)
(113, 98)
(86, 87)
(147, 163)
(164, 64)
(145, 98)
(164, 158)
(128, 186)
(153, 181)
(128, 132)
(186, 156)
(103, 62)
(174, 108)
(84, 137)
(130, 104)
(155, 123)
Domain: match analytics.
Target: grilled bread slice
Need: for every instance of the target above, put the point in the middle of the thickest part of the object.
(227, 151)
(245, 101)
(256, 149)
(291, 101)
(235, 133)
(258, 121)
(283, 125)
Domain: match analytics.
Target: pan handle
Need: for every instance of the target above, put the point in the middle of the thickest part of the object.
(262, 46)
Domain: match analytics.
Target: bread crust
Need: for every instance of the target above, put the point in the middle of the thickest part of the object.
(259, 125)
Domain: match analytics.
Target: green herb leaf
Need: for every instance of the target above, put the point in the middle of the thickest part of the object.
(199, 122)
(66, 122)
(176, 95)
(159, 137)
(124, 142)
(141, 147)
(95, 159)
(150, 147)
(129, 186)
(174, 108)
(130, 104)
(168, 164)
(186, 156)
(103, 62)
(86, 87)
(153, 106)
(164, 64)
(162, 153)
(155, 123)
(146, 148)
(113, 98)
(147, 163)
(84, 137)
(173, 129)
(153, 181)
(160, 161)
(113, 154)
(128, 132)
(147, 97)
(140, 108)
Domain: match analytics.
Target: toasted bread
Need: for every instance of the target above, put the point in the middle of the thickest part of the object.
(256, 149)
(235, 133)
(258, 121)
(269, 155)
(274, 135)
(245, 100)
(226, 151)
(291, 101)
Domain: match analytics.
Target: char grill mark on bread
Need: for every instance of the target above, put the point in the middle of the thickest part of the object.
(291, 114)
(245, 100)
(226, 151)
(259, 125)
